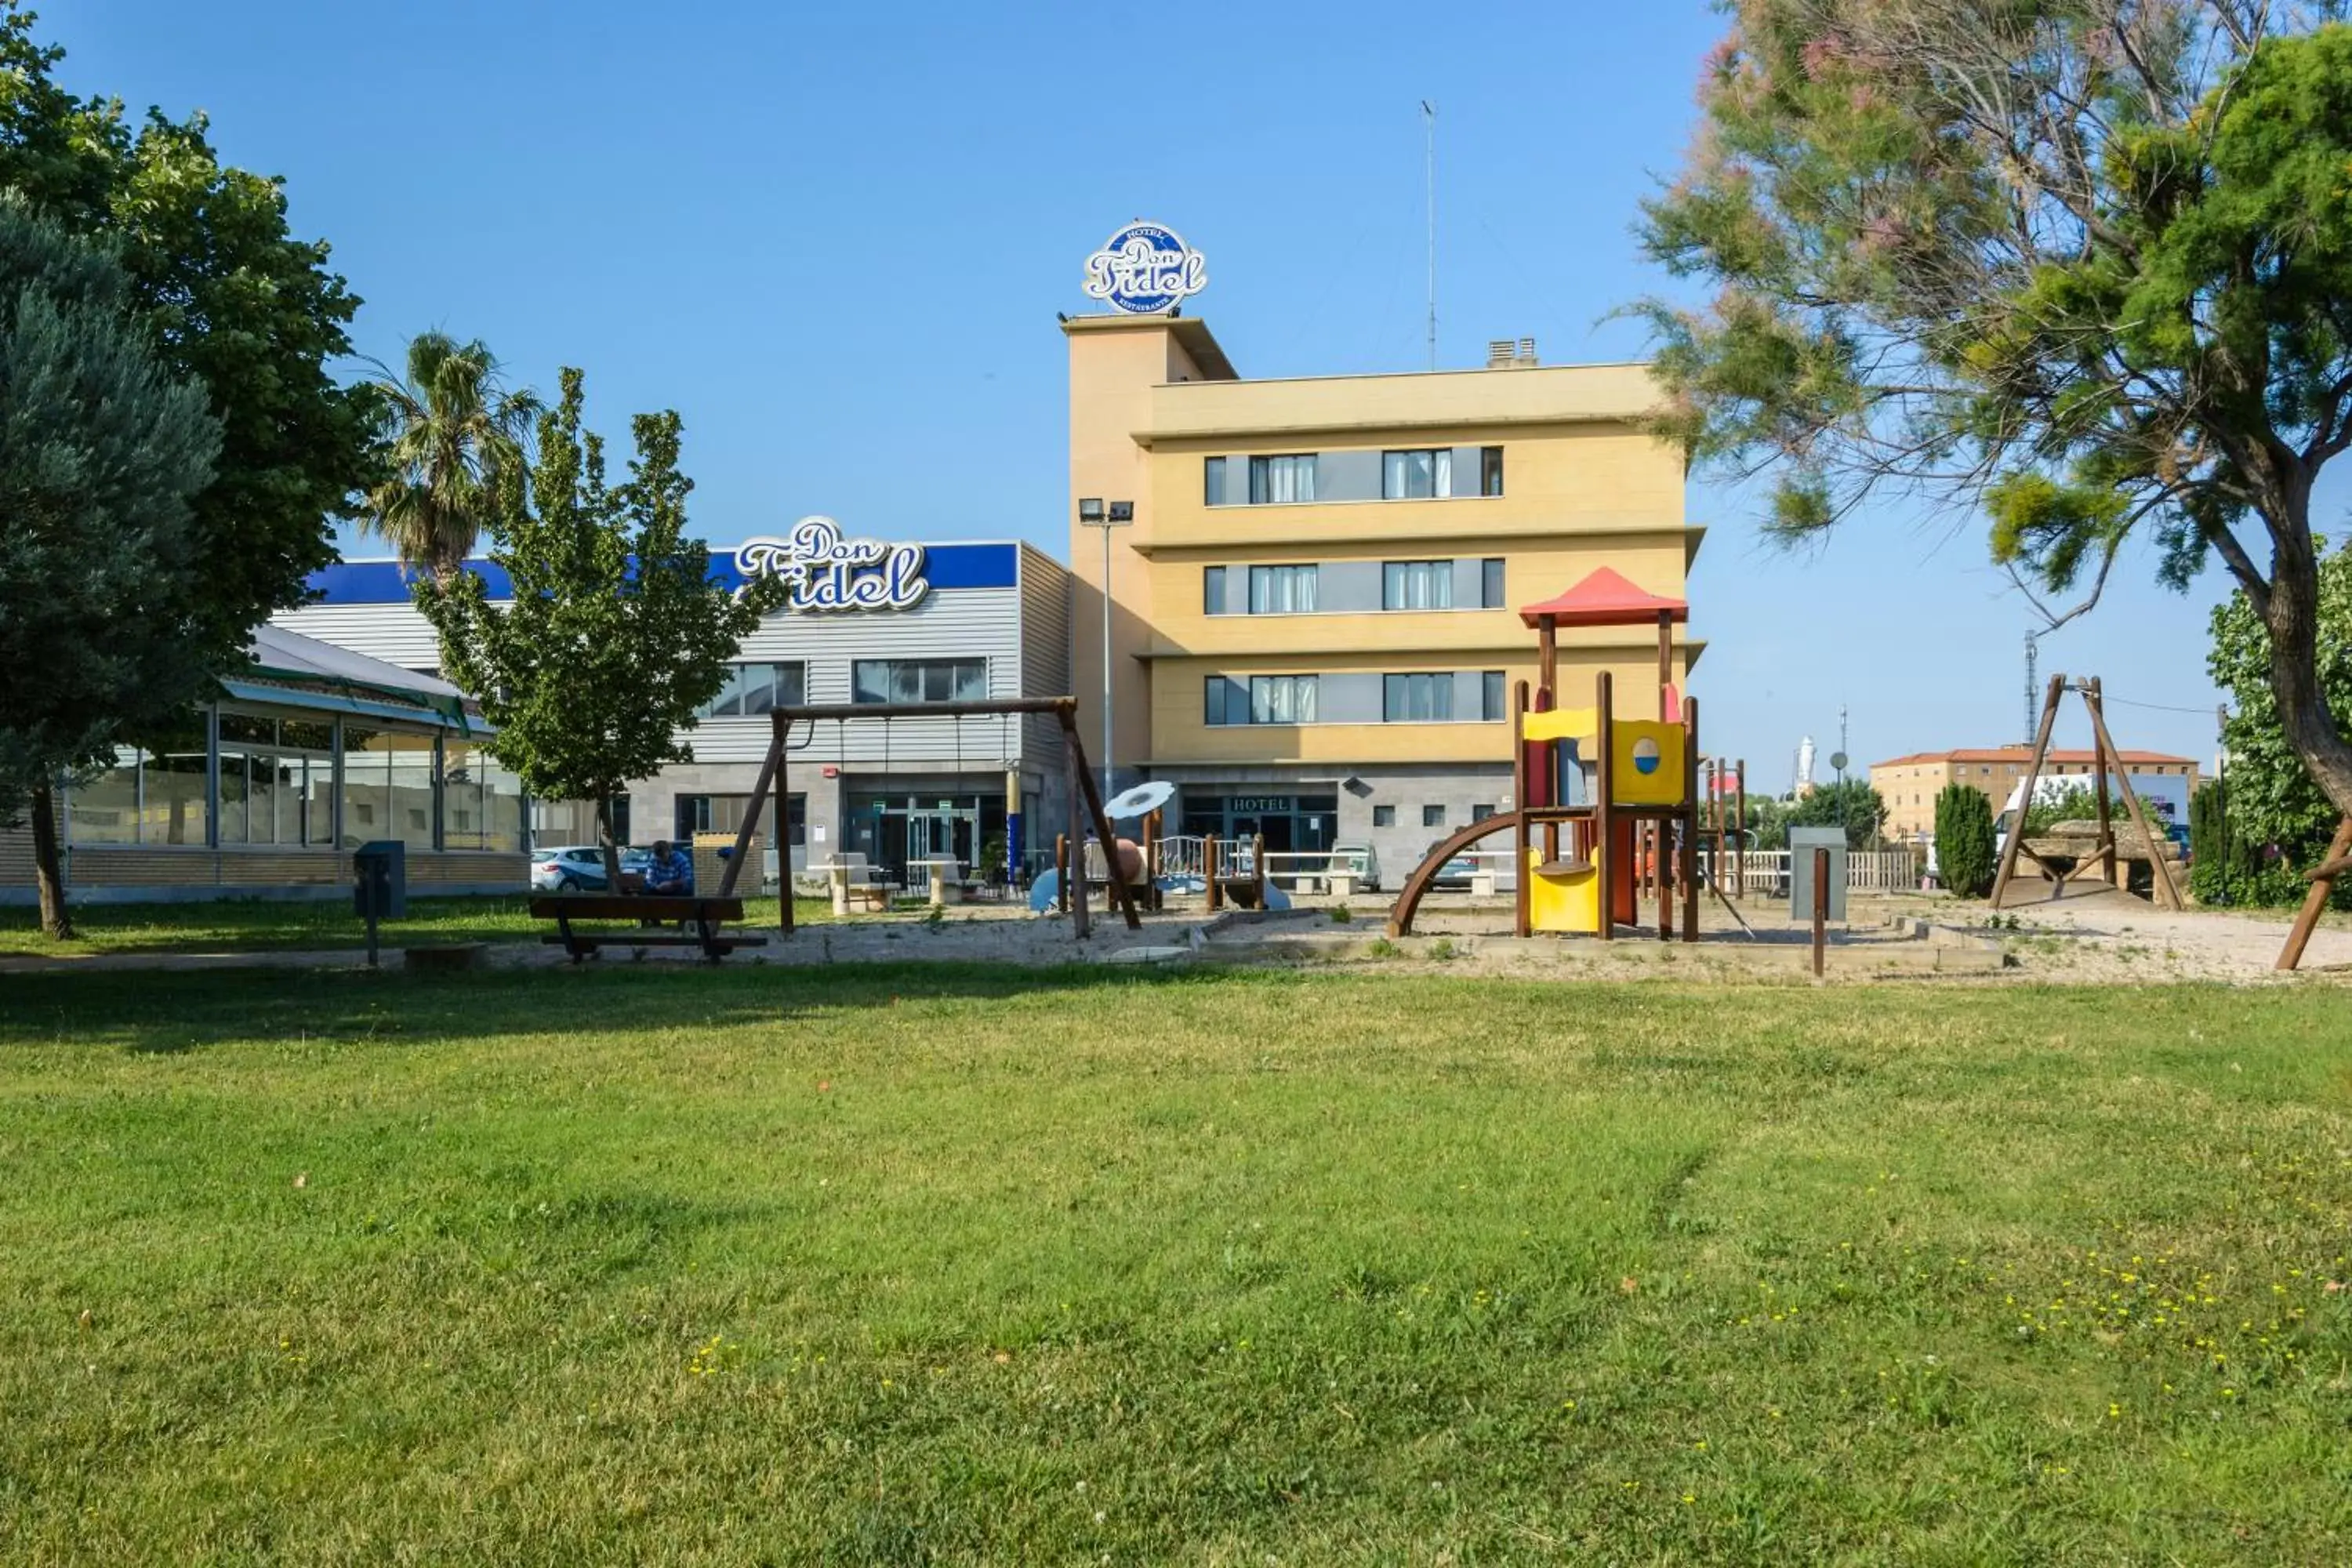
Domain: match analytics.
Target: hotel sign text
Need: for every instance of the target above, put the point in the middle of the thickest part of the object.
(1144, 269)
(828, 572)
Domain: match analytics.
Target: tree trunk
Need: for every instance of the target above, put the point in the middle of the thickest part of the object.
(2291, 616)
(57, 920)
(604, 841)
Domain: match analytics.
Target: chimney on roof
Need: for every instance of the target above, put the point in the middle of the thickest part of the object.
(1502, 353)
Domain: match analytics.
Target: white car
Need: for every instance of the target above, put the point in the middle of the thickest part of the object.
(1356, 855)
(579, 868)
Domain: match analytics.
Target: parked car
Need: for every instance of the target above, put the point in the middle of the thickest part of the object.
(1455, 873)
(1358, 856)
(580, 868)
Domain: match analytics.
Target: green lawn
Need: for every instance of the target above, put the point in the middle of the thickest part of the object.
(653, 1264)
(246, 925)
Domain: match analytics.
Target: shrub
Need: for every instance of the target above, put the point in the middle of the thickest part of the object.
(1964, 853)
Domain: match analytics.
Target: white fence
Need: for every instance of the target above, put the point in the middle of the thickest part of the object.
(1764, 873)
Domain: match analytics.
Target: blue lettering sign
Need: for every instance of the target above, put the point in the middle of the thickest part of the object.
(827, 571)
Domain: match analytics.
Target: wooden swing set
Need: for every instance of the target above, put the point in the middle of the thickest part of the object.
(1083, 804)
(2106, 763)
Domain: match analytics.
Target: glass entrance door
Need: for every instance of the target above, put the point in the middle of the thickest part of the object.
(942, 835)
(898, 832)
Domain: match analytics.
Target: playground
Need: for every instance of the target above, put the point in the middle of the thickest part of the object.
(1197, 1206)
(1624, 852)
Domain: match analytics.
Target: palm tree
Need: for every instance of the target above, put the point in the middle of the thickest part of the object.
(449, 429)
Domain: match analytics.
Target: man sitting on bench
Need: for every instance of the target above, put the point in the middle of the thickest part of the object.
(672, 872)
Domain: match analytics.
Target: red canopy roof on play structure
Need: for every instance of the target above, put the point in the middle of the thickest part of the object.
(1606, 599)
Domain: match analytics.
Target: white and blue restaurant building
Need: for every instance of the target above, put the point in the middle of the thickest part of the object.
(872, 622)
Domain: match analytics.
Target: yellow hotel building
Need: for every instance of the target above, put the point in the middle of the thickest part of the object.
(1313, 615)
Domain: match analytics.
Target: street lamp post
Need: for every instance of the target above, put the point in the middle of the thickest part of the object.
(1093, 513)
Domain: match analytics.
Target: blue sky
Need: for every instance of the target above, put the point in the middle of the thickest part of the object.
(834, 239)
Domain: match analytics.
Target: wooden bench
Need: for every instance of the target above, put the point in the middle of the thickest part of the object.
(705, 915)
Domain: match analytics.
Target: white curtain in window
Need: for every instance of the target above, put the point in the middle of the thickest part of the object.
(1281, 590)
(1417, 585)
(1275, 481)
(1418, 474)
(1294, 478)
(1282, 699)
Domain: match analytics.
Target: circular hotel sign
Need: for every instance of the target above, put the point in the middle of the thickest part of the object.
(1144, 269)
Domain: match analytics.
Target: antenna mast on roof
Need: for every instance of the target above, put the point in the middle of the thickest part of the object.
(1429, 124)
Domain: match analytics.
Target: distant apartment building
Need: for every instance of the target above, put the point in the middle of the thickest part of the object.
(1909, 785)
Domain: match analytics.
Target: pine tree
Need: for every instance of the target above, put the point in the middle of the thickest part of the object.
(1964, 852)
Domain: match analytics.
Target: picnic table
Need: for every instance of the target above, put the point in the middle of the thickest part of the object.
(945, 876)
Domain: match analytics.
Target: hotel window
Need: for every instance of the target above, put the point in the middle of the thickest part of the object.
(1213, 481)
(919, 681)
(1417, 475)
(1212, 590)
(1481, 812)
(1417, 699)
(1280, 480)
(1263, 699)
(1281, 590)
(1433, 816)
(755, 688)
(1490, 584)
(1490, 470)
(1417, 585)
(1490, 684)
(1282, 699)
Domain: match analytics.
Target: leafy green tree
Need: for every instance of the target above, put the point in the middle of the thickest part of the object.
(1768, 823)
(227, 297)
(1853, 805)
(447, 427)
(2274, 803)
(101, 448)
(2075, 803)
(1965, 860)
(2083, 262)
(616, 632)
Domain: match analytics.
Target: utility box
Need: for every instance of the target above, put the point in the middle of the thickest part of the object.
(1802, 842)
(380, 881)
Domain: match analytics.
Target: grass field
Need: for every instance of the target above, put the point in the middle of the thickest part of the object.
(907, 1266)
(258, 924)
